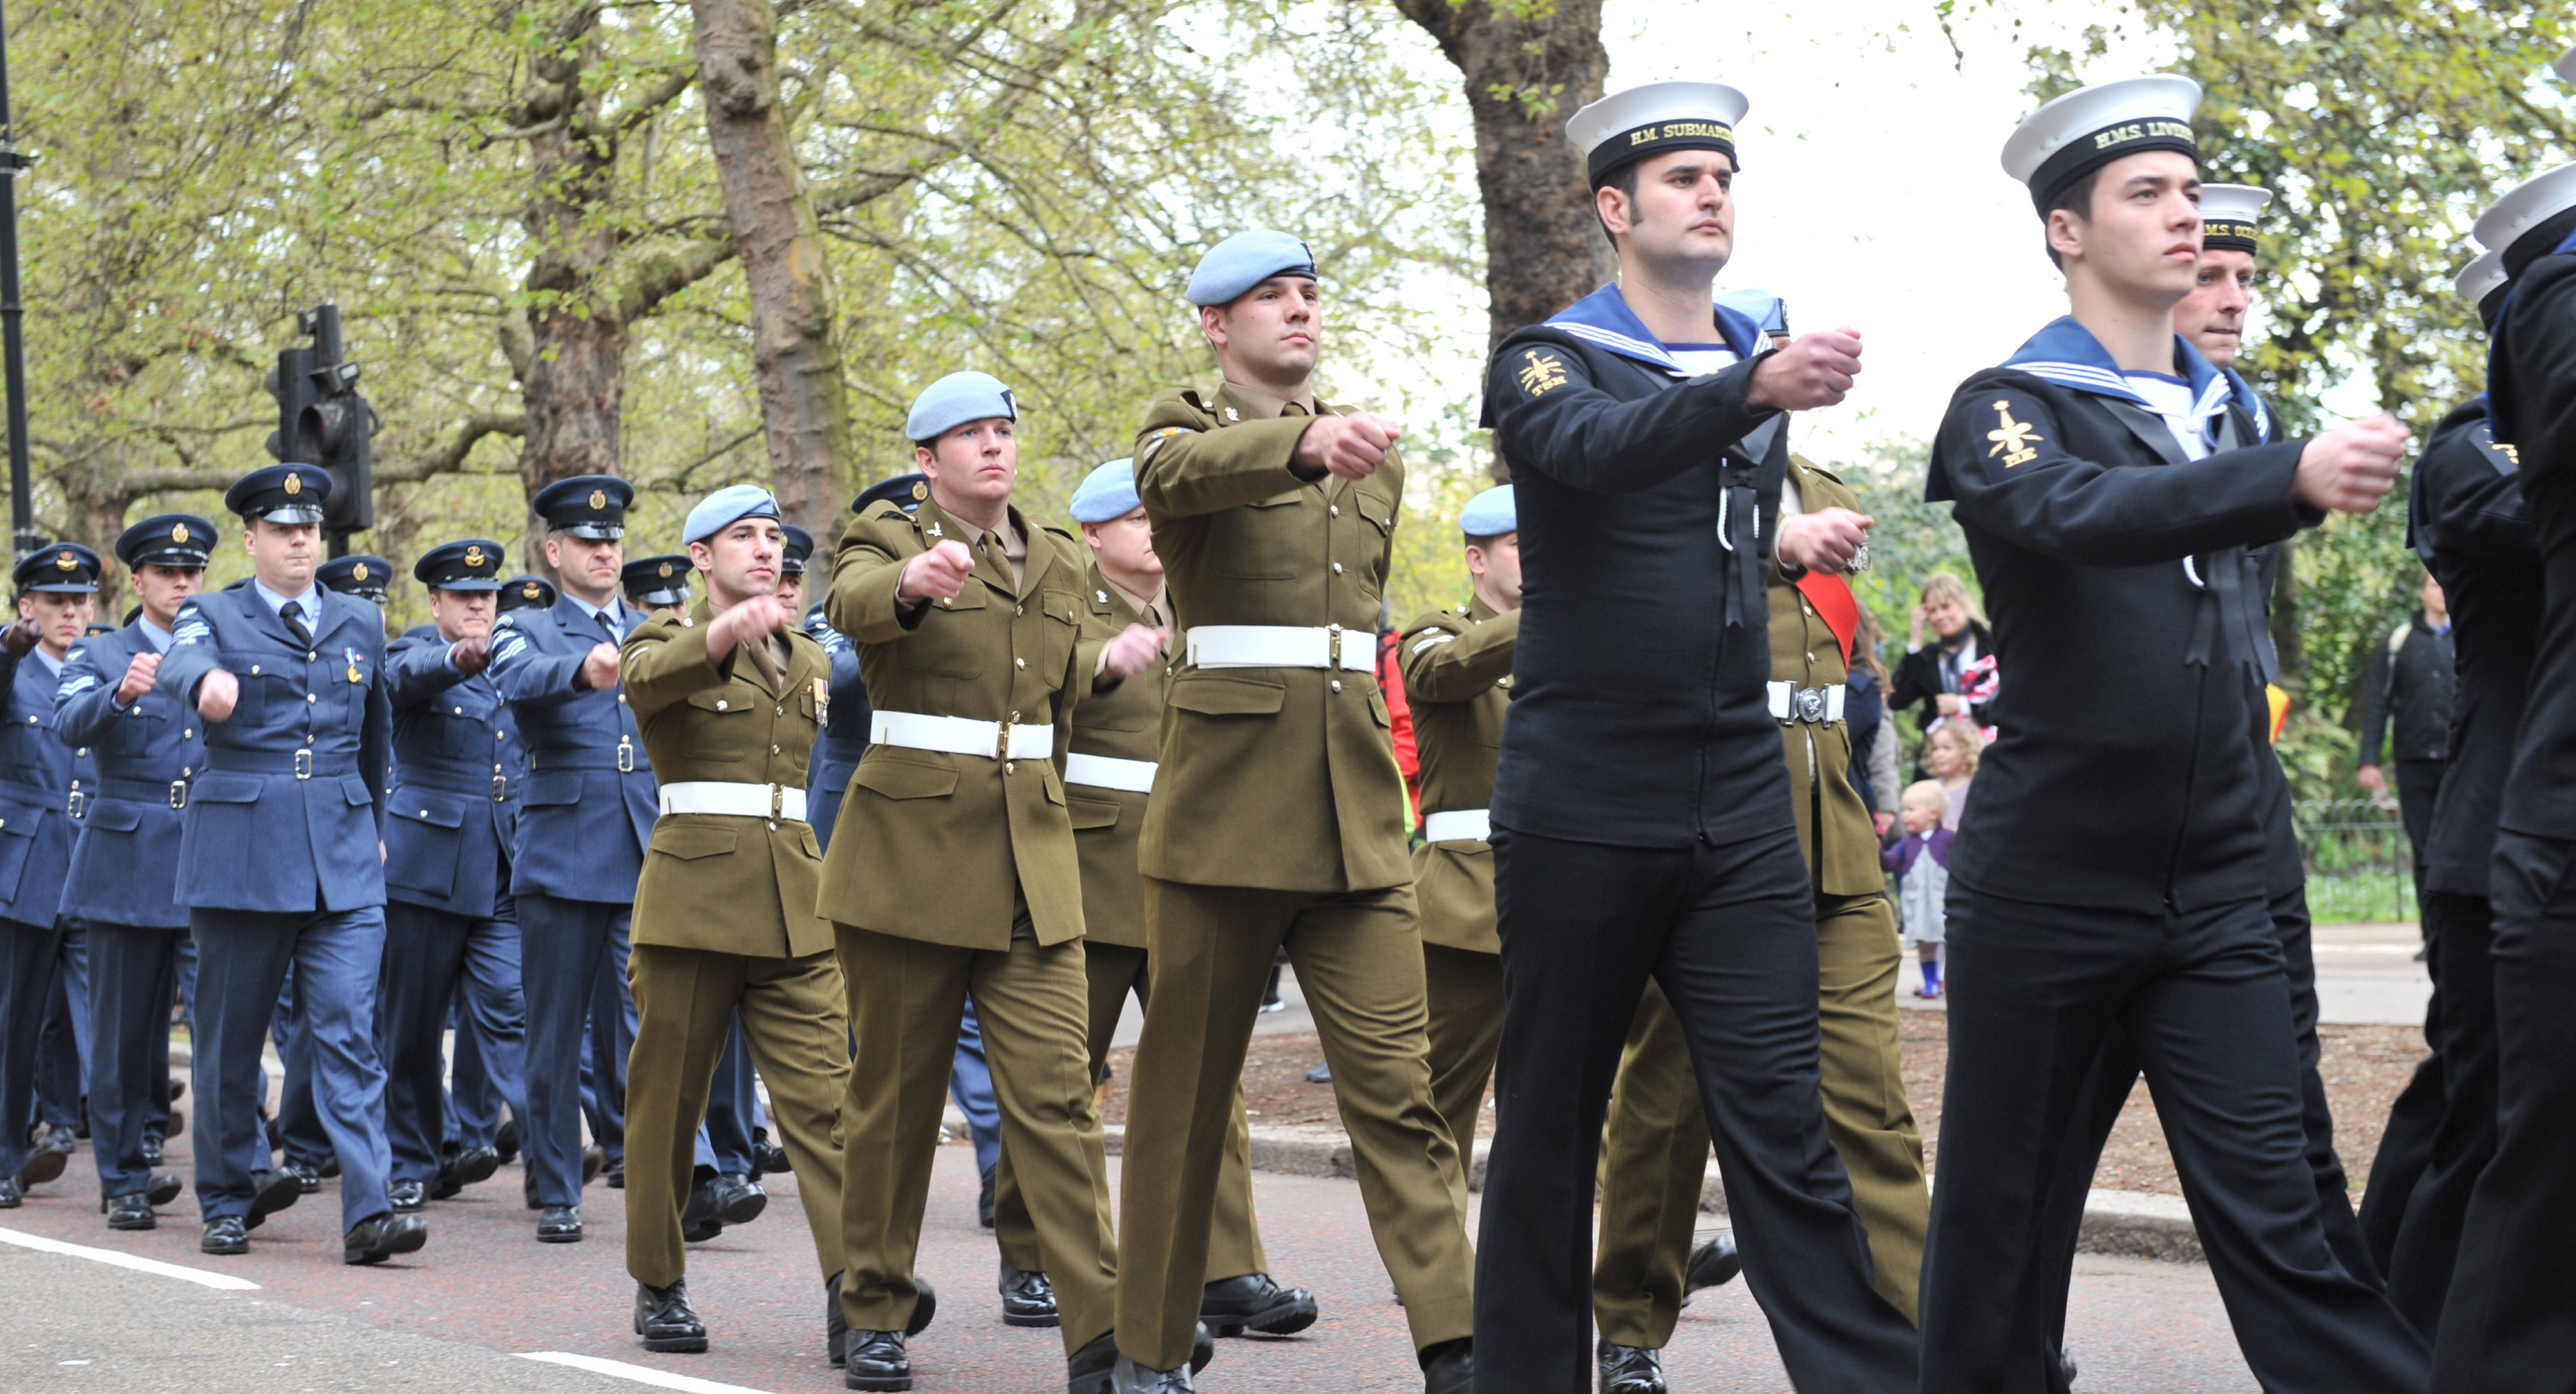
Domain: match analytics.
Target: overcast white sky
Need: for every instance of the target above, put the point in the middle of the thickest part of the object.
(1872, 192)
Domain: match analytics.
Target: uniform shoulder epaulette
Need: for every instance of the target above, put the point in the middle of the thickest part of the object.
(1060, 532)
(884, 510)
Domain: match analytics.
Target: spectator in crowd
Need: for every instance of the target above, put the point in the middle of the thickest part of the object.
(1873, 736)
(1950, 756)
(2406, 710)
(1921, 862)
(1953, 675)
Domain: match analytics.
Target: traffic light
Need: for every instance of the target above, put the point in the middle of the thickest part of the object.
(323, 421)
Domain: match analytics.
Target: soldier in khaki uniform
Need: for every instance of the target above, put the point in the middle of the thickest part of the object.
(1109, 778)
(1458, 676)
(1278, 818)
(729, 695)
(953, 873)
(1657, 1140)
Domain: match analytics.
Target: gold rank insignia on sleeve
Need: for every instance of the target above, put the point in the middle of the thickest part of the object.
(1541, 373)
(2013, 439)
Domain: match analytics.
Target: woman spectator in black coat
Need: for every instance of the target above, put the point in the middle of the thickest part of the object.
(1954, 674)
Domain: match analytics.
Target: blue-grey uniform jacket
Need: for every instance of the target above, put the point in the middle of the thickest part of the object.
(287, 814)
(590, 802)
(453, 814)
(37, 779)
(845, 734)
(125, 865)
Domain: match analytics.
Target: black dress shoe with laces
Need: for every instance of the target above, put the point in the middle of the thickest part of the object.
(505, 1141)
(154, 1151)
(1128, 1377)
(476, 1165)
(699, 1221)
(1712, 1264)
(739, 1199)
(308, 1177)
(227, 1235)
(270, 1192)
(1631, 1370)
(12, 1195)
(665, 1320)
(50, 1156)
(767, 1157)
(1449, 1367)
(382, 1237)
(560, 1224)
(407, 1197)
(163, 1188)
(1028, 1299)
(1253, 1302)
(876, 1361)
(131, 1211)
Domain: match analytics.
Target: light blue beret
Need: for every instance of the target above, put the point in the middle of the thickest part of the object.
(955, 400)
(1106, 493)
(1759, 306)
(726, 507)
(1245, 260)
(1490, 514)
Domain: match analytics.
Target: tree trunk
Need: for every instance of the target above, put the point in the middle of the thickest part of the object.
(1528, 66)
(795, 357)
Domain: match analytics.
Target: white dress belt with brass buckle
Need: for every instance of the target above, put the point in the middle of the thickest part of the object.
(1103, 772)
(1791, 703)
(1281, 646)
(1457, 825)
(960, 735)
(734, 800)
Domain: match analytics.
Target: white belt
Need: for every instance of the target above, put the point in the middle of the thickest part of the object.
(1102, 772)
(958, 735)
(1281, 646)
(735, 800)
(1458, 825)
(1791, 703)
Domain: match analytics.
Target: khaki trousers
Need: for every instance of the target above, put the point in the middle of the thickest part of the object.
(1234, 1236)
(685, 1004)
(1466, 995)
(1656, 1145)
(907, 999)
(1358, 957)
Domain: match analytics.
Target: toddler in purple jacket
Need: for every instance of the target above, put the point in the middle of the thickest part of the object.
(1921, 861)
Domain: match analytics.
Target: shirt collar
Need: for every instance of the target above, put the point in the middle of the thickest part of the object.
(309, 603)
(1262, 406)
(53, 665)
(612, 612)
(153, 634)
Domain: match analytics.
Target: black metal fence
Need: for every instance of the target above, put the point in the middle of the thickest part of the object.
(2360, 864)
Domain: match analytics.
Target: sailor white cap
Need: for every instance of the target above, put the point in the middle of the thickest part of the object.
(2525, 207)
(2091, 126)
(2481, 279)
(1630, 125)
(2229, 215)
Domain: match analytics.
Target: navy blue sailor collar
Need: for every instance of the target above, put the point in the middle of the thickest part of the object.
(1603, 318)
(2066, 353)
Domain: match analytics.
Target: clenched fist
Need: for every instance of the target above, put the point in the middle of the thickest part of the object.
(2352, 467)
(1133, 651)
(1825, 540)
(1815, 370)
(217, 692)
(938, 574)
(469, 656)
(1351, 447)
(599, 670)
(138, 678)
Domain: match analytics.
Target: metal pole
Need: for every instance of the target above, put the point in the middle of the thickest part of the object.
(13, 338)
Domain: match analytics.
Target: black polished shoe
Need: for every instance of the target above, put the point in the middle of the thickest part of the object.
(476, 1165)
(163, 1188)
(505, 1140)
(328, 1167)
(49, 1158)
(767, 1157)
(131, 1211)
(594, 1160)
(1090, 1369)
(528, 1188)
(378, 1239)
(270, 1192)
(308, 1176)
(925, 1305)
(12, 1195)
(665, 1320)
(1232, 1306)
(227, 1235)
(1128, 1377)
(154, 1151)
(178, 1123)
(836, 1327)
(699, 1221)
(1631, 1370)
(877, 1361)
(1449, 1367)
(407, 1197)
(739, 1199)
(560, 1224)
(1028, 1299)
(984, 1198)
(1713, 1264)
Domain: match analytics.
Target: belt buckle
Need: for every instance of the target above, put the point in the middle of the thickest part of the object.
(78, 802)
(1002, 738)
(178, 793)
(500, 788)
(777, 802)
(304, 762)
(1811, 704)
(626, 755)
(1332, 647)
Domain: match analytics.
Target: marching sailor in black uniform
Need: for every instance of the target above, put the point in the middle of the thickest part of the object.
(2110, 491)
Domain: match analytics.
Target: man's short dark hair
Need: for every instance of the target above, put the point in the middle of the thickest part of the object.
(1624, 179)
(2075, 198)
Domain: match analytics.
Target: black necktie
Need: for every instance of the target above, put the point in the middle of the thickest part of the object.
(293, 614)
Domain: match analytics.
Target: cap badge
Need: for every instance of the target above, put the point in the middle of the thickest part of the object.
(359, 571)
(473, 556)
(178, 532)
(666, 571)
(920, 490)
(531, 590)
(599, 498)
(66, 561)
(294, 482)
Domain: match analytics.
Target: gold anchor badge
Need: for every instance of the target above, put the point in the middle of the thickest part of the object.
(1542, 374)
(2014, 436)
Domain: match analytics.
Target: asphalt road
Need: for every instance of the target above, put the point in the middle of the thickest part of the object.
(2367, 974)
(465, 1314)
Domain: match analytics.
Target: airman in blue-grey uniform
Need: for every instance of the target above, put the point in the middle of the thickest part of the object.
(280, 852)
(586, 814)
(123, 880)
(362, 574)
(57, 587)
(453, 818)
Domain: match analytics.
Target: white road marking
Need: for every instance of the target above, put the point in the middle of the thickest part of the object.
(222, 1281)
(641, 1374)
